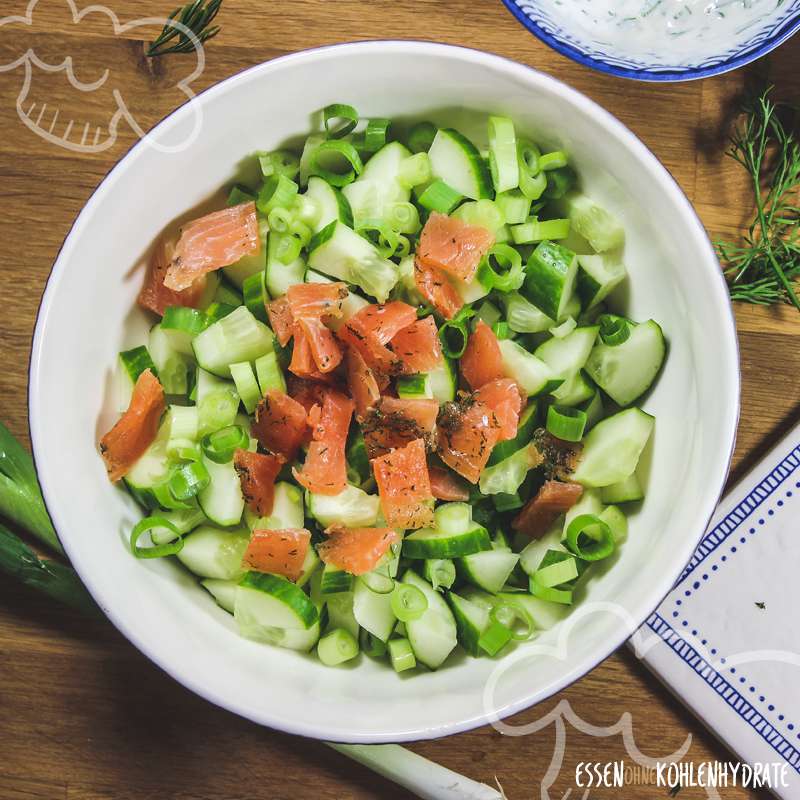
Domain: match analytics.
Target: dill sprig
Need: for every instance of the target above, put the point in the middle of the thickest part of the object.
(196, 17)
(763, 268)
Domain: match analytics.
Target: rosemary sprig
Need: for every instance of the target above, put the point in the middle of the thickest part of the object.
(763, 268)
(197, 17)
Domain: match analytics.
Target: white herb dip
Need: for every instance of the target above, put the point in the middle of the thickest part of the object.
(672, 31)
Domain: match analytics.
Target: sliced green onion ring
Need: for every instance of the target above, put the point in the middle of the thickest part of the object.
(439, 196)
(287, 249)
(278, 191)
(300, 231)
(375, 134)
(337, 647)
(156, 551)
(220, 445)
(188, 479)
(336, 153)
(385, 239)
(421, 136)
(566, 423)
(515, 618)
(280, 220)
(408, 602)
(379, 580)
(503, 266)
(589, 538)
(279, 162)
(454, 335)
(614, 330)
(346, 117)
(494, 638)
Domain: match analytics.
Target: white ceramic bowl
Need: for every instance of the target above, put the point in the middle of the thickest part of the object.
(88, 314)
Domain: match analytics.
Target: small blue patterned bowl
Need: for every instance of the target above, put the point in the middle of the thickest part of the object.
(690, 45)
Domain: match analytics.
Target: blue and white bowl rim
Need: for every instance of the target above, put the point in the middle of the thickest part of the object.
(715, 66)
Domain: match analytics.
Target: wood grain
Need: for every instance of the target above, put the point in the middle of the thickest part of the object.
(84, 716)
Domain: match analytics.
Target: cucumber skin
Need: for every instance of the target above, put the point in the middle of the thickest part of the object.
(550, 276)
(453, 546)
(525, 429)
(480, 171)
(466, 630)
(285, 591)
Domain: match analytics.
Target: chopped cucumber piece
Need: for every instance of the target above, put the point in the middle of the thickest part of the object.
(373, 611)
(506, 476)
(284, 266)
(332, 204)
(340, 611)
(574, 391)
(550, 278)
(523, 317)
(269, 373)
(617, 521)
(600, 228)
(171, 365)
(454, 518)
(530, 372)
(628, 490)
(625, 371)
(434, 543)
(598, 276)
(568, 355)
(611, 450)
(335, 580)
(222, 501)
(287, 510)
(458, 163)
(544, 614)
(340, 252)
(488, 570)
(443, 381)
(525, 429)
(237, 337)
(211, 552)
(433, 634)
(224, 592)
(182, 519)
(471, 621)
(266, 605)
(246, 384)
(352, 507)
(401, 654)
(414, 387)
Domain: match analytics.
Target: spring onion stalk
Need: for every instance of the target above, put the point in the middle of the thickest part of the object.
(300, 231)
(440, 572)
(489, 313)
(269, 373)
(494, 638)
(385, 239)
(614, 330)
(423, 778)
(189, 479)
(535, 230)
(501, 330)
(246, 384)
(339, 119)
(515, 207)
(137, 360)
(217, 410)
(408, 602)
(421, 136)
(559, 182)
(558, 573)
(564, 329)
(155, 551)
(566, 423)
(183, 422)
(555, 160)
(515, 618)
(220, 445)
(507, 502)
(532, 181)
(403, 217)
(482, 213)
(287, 247)
(306, 209)
(337, 647)
(336, 161)
(401, 655)
(279, 162)
(20, 497)
(415, 170)
(503, 162)
(375, 134)
(55, 579)
(278, 191)
(589, 538)
(440, 197)
(551, 595)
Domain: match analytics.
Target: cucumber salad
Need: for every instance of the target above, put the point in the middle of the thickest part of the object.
(386, 405)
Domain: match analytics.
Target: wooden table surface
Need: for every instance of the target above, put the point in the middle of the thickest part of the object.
(83, 715)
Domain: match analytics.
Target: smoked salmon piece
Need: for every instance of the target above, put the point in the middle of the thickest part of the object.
(505, 400)
(212, 242)
(280, 424)
(325, 468)
(466, 433)
(451, 245)
(279, 552)
(482, 361)
(356, 550)
(404, 486)
(281, 320)
(361, 382)
(418, 346)
(316, 299)
(447, 486)
(373, 327)
(155, 296)
(434, 286)
(136, 429)
(552, 499)
(393, 423)
(325, 350)
(257, 473)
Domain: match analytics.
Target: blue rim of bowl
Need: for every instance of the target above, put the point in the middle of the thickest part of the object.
(465, 724)
(788, 29)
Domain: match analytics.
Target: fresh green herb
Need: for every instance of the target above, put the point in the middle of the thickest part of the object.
(20, 497)
(195, 17)
(764, 267)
